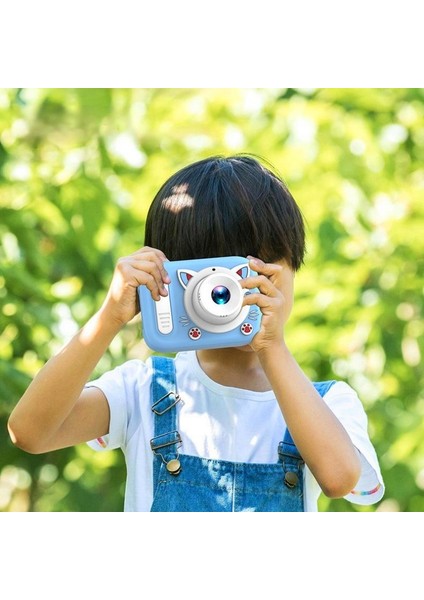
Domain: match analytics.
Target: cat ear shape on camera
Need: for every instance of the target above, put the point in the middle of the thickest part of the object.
(242, 271)
(184, 276)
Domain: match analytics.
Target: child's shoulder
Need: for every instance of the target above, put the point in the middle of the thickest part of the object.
(342, 398)
(323, 387)
(335, 388)
(142, 369)
(133, 366)
(129, 374)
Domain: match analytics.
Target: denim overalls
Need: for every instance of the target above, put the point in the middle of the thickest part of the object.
(183, 483)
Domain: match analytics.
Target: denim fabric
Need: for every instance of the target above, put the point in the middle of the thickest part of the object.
(207, 485)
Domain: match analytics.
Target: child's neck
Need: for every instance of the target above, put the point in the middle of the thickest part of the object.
(234, 367)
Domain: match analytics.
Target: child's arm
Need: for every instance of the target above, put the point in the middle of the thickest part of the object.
(321, 439)
(56, 411)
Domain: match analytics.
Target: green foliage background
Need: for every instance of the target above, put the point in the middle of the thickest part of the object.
(78, 170)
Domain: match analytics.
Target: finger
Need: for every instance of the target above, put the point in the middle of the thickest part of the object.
(268, 269)
(138, 272)
(151, 254)
(156, 270)
(156, 251)
(260, 300)
(154, 254)
(261, 282)
(137, 277)
(148, 256)
(152, 265)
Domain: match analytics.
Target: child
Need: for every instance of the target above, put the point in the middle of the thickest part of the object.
(242, 428)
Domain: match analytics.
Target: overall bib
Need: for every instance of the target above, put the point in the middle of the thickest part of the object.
(183, 483)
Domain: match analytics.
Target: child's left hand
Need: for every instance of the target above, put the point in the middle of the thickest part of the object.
(275, 300)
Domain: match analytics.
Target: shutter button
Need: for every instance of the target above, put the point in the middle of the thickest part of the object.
(291, 479)
(174, 466)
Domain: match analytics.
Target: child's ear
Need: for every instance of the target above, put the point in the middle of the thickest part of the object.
(242, 271)
(184, 276)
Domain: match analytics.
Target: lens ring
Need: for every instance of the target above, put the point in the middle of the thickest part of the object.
(203, 311)
(224, 305)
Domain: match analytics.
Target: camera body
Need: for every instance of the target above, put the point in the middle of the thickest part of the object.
(203, 308)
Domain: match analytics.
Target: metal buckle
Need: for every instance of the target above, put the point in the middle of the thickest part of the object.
(160, 413)
(167, 441)
(170, 460)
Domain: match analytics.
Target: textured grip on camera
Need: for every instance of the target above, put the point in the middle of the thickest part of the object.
(163, 314)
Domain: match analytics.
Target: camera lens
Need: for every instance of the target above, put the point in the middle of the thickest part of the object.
(220, 294)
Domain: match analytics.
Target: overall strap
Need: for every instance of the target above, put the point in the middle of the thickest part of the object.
(290, 459)
(164, 398)
(288, 454)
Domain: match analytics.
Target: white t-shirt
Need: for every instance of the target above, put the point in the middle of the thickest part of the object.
(218, 422)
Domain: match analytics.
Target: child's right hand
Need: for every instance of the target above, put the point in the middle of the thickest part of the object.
(144, 267)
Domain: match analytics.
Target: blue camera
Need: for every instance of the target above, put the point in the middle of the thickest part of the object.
(203, 308)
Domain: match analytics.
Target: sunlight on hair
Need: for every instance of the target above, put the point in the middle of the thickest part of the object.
(179, 199)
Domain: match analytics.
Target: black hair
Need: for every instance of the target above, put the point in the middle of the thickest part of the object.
(226, 206)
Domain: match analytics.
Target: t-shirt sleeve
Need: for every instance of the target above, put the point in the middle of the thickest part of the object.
(345, 404)
(123, 387)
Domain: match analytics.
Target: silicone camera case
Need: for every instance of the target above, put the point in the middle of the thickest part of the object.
(203, 308)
